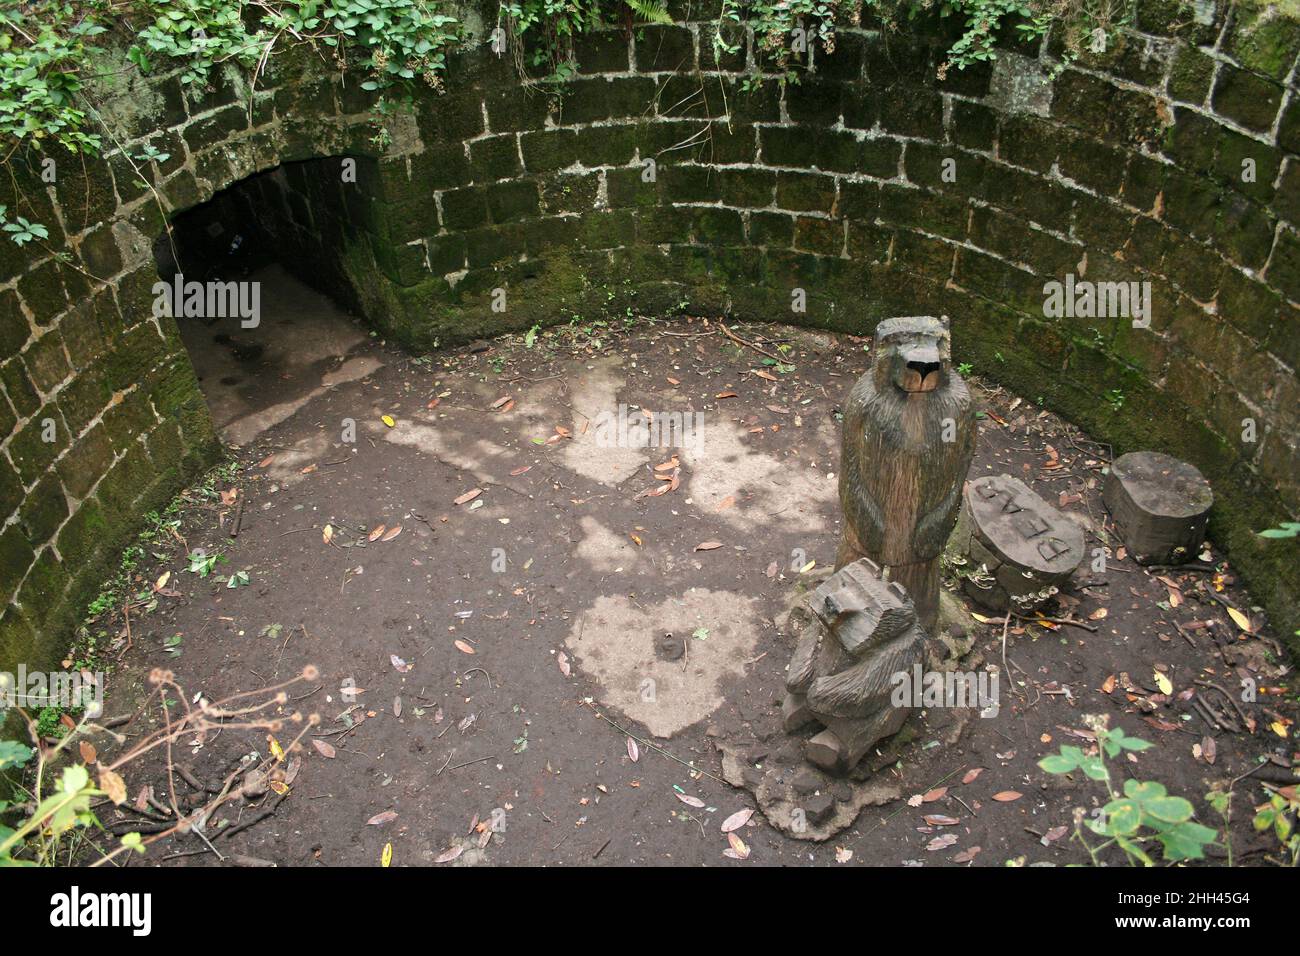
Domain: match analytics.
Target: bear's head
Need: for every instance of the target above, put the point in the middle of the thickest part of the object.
(912, 353)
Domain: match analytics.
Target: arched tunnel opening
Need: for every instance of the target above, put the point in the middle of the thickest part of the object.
(252, 280)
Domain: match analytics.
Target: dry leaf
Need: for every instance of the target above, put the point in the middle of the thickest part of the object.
(327, 534)
(468, 496)
(633, 752)
(737, 820)
(1006, 796)
(114, 786)
(708, 546)
(88, 754)
(1240, 620)
(388, 420)
(376, 532)
(972, 774)
(379, 819)
(690, 801)
(325, 749)
(386, 858)
(738, 849)
(392, 532)
(464, 648)
(965, 856)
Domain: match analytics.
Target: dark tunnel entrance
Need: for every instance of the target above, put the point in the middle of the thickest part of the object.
(255, 285)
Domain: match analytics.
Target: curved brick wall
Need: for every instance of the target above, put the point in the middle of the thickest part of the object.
(872, 186)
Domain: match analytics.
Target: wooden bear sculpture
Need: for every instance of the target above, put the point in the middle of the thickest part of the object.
(845, 667)
(909, 436)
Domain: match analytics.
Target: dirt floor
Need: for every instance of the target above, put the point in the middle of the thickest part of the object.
(480, 666)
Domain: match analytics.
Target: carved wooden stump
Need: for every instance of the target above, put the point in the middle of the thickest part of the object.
(1160, 505)
(1017, 547)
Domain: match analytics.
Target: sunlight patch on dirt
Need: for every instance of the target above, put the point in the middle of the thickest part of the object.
(618, 644)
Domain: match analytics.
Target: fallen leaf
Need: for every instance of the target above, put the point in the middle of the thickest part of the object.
(386, 858)
(965, 856)
(1006, 796)
(737, 820)
(1098, 614)
(843, 855)
(972, 774)
(690, 801)
(468, 496)
(1164, 683)
(113, 785)
(519, 471)
(1240, 620)
(940, 820)
(633, 752)
(379, 819)
(941, 842)
(88, 753)
(392, 532)
(563, 660)
(464, 648)
(708, 546)
(936, 794)
(388, 420)
(325, 749)
(738, 849)
(376, 532)
(327, 534)
(162, 581)
(500, 402)
(446, 856)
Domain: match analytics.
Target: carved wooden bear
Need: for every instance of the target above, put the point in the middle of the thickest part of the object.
(844, 669)
(909, 436)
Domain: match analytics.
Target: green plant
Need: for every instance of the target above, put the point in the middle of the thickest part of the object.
(45, 822)
(1137, 815)
(202, 563)
(965, 368)
(1279, 815)
(20, 230)
(1286, 529)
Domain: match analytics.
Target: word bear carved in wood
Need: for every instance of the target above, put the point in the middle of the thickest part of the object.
(909, 436)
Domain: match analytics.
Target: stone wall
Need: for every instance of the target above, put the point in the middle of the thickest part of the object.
(871, 188)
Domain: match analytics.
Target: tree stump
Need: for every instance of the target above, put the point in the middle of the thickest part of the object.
(1161, 506)
(1017, 548)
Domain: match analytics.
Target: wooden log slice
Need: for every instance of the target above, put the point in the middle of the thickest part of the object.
(1017, 548)
(1161, 506)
